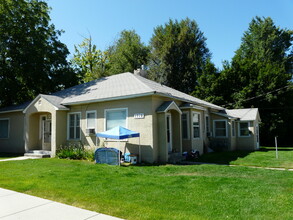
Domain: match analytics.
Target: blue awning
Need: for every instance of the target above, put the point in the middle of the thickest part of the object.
(118, 133)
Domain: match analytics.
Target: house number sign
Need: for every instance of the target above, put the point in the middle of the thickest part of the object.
(139, 115)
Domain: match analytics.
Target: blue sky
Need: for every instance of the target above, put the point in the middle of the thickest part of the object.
(222, 21)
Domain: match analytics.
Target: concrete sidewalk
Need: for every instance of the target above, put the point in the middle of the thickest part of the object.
(14, 205)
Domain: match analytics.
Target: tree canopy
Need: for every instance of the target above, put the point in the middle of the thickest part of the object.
(32, 59)
(259, 75)
(178, 54)
(127, 53)
(90, 62)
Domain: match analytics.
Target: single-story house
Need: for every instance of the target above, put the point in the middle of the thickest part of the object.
(169, 122)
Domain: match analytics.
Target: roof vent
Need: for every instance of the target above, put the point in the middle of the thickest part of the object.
(141, 71)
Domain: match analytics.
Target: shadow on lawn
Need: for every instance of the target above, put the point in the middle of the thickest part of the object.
(222, 157)
(266, 149)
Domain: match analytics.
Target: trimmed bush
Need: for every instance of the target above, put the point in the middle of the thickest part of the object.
(75, 152)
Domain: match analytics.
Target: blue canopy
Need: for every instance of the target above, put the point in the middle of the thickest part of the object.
(118, 133)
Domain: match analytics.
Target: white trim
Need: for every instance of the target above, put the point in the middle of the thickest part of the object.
(8, 128)
(188, 127)
(214, 128)
(168, 115)
(95, 118)
(107, 99)
(239, 133)
(114, 109)
(209, 124)
(17, 110)
(233, 128)
(199, 124)
(172, 104)
(139, 95)
(68, 128)
(40, 126)
(196, 107)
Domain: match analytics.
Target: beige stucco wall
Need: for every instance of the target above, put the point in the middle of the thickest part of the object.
(61, 128)
(223, 143)
(143, 126)
(15, 142)
(247, 143)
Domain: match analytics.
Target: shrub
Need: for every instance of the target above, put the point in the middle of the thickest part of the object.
(75, 152)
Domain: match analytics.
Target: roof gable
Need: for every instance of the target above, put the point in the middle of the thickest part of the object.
(247, 114)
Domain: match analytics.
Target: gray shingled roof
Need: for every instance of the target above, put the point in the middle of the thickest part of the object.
(121, 86)
(247, 114)
(14, 108)
(124, 85)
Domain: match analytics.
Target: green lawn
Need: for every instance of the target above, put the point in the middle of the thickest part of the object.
(156, 192)
(265, 157)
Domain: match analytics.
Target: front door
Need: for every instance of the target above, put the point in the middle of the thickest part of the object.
(46, 133)
(169, 133)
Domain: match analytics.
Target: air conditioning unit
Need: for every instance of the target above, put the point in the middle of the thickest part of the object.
(90, 131)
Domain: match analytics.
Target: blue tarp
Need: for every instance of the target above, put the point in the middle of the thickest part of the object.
(107, 155)
(118, 133)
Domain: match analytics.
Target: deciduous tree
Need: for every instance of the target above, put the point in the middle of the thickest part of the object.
(127, 53)
(90, 62)
(32, 59)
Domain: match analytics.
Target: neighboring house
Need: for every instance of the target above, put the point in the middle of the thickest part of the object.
(170, 122)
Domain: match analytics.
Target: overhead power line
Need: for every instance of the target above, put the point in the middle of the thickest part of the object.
(258, 96)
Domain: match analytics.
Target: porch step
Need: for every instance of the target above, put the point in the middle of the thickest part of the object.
(38, 153)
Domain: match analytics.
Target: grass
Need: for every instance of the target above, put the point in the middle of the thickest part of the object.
(9, 155)
(156, 192)
(265, 157)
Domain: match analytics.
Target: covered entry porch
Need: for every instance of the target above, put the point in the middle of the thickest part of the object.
(42, 134)
(170, 138)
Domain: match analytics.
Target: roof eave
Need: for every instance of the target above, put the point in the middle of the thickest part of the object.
(188, 100)
(108, 99)
(9, 111)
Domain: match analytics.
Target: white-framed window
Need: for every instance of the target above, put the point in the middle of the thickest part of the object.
(243, 129)
(91, 119)
(115, 117)
(185, 125)
(207, 124)
(196, 125)
(233, 128)
(73, 126)
(220, 128)
(4, 128)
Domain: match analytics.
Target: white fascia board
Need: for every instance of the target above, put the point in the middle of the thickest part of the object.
(194, 107)
(187, 100)
(108, 99)
(18, 110)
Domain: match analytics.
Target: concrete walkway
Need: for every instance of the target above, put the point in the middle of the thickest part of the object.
(19, 158)
(14, 205)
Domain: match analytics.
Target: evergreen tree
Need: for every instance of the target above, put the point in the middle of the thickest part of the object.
(178, 54)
